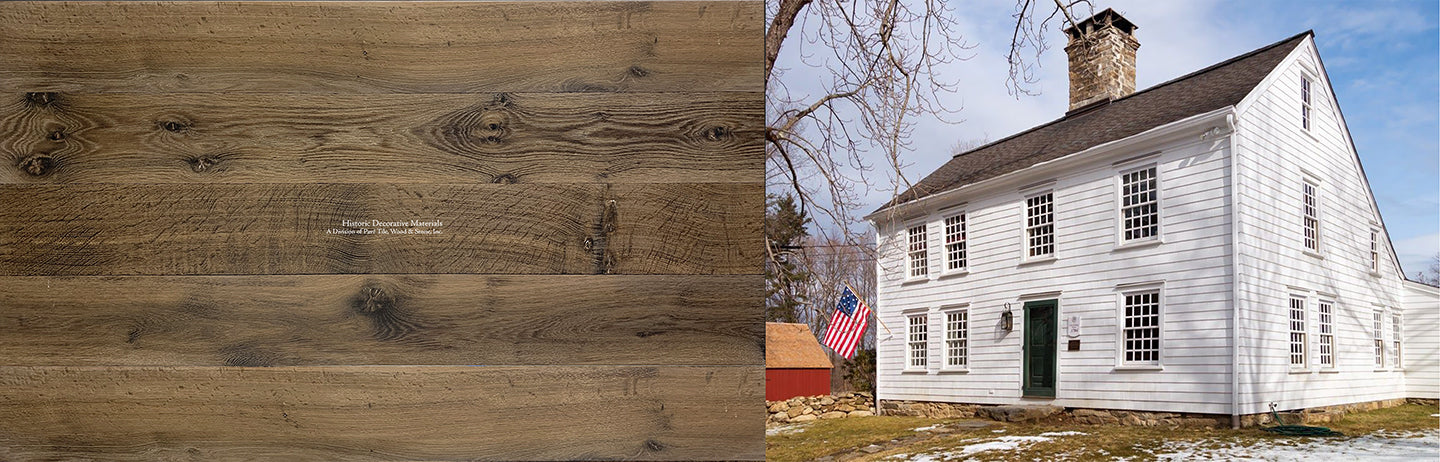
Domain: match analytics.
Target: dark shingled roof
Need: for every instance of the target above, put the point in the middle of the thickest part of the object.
(1203, 91)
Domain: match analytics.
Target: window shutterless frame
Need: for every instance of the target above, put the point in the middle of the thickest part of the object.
(1140, 326)
(1139, 203)
(917, 341)
(1038, 228)
(915, 240)
(1299, 334)
(1311, 215)
(955, 246)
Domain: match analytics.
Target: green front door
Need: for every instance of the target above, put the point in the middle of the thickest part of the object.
(1041, 321)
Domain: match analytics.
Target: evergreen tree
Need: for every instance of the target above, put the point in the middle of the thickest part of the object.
(785, 280)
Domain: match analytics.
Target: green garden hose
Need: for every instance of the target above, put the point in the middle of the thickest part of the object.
(1297, 430)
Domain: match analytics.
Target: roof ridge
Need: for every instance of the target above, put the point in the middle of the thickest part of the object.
(1152, 87)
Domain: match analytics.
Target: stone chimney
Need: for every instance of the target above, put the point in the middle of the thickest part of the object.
(1102, 58)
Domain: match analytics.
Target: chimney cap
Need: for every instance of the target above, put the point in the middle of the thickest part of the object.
(1101, 19)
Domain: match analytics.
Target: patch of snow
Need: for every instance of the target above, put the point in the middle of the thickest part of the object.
(1370, 448)
(926, 429)
(998, 431)
(1064, 433)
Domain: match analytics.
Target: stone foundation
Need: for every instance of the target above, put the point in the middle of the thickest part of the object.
(808, 408)
(1024, 413)
(1323, 414)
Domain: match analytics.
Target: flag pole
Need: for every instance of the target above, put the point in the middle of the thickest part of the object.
(872, 310)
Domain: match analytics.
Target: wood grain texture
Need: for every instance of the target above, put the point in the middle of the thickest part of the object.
(282, 229)
(430, 138)
(381, 319)
(381, 47)
(382, 413)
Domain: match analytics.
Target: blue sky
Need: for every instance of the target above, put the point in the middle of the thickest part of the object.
(1383, 59)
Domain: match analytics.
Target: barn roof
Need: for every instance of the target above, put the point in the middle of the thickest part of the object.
(1202, 91)
(792, 346)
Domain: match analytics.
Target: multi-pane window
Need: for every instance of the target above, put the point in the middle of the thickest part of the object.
(955, 242)
(957, 337)
(1040, 225)
(1305, 102)
(1326, 323)
(918, 340)
(1395, 340)
(1378, 318)
(919, 261)
(1312, 218)
(1139, 205)
(1297, 332)
(1374, 250)
(1142, 327)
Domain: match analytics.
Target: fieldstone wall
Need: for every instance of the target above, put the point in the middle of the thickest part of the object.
(808, 408)
(1324, 414)
(1026, 413)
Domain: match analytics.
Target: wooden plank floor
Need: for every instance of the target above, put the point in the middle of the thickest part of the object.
(190, 267)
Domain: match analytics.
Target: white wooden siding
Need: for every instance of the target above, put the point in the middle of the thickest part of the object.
(1422, 341)
(1192, 262)
(1275, 157)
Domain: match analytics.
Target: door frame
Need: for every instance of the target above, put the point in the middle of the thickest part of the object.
(1027, 391)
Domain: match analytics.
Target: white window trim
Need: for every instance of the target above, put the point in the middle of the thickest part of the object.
(909, 315)
(1120, 292)
(1307, 109)
(945, 340)
(1319, 250)
(1376, 249)
(1397, 343)
(1025, 257)
(1377, 332)
(1159, 237)
(905, 246)
(945, 251)
(1334, 345)
(1305, 347)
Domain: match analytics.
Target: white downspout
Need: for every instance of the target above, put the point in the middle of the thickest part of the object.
(1234, 274)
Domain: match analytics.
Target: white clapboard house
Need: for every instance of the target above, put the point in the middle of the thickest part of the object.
(1209, 245)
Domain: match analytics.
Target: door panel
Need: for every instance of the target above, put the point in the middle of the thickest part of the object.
(1041, 331)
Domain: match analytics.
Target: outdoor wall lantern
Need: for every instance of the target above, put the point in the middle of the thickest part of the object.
(1007, 320)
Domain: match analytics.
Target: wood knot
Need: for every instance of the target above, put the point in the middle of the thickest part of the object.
(203, 163)
(174, 126)
(505, 178)
(389, 320)
(638, 71)
(374, 299)
(38, 164)
(654, 446)
(717, 133)
(647, 333)
(41, 98)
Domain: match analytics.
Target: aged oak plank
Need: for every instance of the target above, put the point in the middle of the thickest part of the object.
(381, 319)
(382, 413)
(124, 229)
(381, 47)
(429, 138)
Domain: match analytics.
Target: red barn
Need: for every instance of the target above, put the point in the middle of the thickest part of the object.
(795, 363)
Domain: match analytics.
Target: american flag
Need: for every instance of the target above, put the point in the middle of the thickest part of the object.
(847, 324)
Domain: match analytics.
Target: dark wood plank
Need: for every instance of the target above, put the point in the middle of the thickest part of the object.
(381, 319)
(447, 138)
(381, 47)
(382, 413)
(121, 229)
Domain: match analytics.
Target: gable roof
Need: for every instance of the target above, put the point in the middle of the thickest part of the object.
(1208, 89)
(792, 346)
